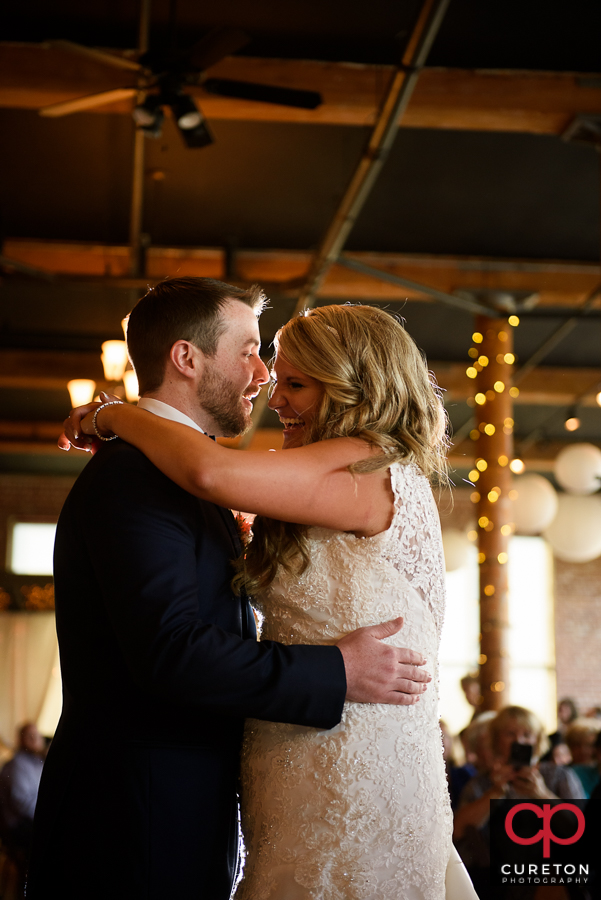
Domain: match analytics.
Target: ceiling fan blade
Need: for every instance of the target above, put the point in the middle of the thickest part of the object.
(118, 62)
(219, 42)
(263, 93)
(87, 102)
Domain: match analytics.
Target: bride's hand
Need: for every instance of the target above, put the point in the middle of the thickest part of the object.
(78, 426)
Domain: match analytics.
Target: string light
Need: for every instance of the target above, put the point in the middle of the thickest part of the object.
(499, 387)
(481, 558)
(474, 475)
(474, 434)
(472, 535)
(473, 352)
(517, 466)
(481, 465)
(475, 497)
(509, 359)
(477, 337)
(480, 399)
(503, 460)
(506, 530)
(483, 360)
(514, 321)
(572, 422)
(489, 430)
(514, 392)
(489, 590)
(471, 372)
(598, 398)
(483, 521)
(502, 558)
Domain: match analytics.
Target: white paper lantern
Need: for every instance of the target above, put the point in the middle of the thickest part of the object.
(535, 506)
(575, 533)
(457, 546)
(578, 469)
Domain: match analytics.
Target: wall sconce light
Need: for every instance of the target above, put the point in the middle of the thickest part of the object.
(81, 391)
(114, 359)
(132, 391)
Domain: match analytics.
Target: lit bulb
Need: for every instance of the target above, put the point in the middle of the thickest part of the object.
(480, 399)
(471, 372)
(477, 337)
(132, 391)
(114, 359)
(514, 392)
(598, 398)
(572, 424)
(499, 387)
(81, 391)
(513, 320)
(517, 466)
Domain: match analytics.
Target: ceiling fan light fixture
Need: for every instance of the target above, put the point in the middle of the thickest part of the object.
(199, 136)
(145, 113)
(186, 113)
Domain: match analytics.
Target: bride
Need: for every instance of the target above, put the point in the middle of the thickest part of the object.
(347, 535)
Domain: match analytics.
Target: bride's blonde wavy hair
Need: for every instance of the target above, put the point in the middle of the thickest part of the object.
(376, 387)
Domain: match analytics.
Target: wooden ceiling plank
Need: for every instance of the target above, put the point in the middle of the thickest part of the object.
(558, 283)
(37, 75)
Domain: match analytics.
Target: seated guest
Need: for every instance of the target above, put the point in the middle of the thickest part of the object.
(580, 738)
(505, 778)
(19, 783)
(567, 712)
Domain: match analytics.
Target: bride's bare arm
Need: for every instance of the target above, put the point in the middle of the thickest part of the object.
(309, 485)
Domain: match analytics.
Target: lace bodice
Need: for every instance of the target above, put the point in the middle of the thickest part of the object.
(360, 811)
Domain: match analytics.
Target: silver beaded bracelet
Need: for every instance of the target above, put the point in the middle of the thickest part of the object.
(101, 436)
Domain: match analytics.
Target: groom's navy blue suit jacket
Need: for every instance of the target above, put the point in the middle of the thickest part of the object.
(160, 666)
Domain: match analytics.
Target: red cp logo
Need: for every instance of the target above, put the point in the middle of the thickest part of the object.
(545, 834)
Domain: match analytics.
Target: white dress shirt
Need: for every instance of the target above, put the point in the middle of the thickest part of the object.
(158, 408)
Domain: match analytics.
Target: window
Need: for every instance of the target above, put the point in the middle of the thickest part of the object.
(30, 547)
(531, 633)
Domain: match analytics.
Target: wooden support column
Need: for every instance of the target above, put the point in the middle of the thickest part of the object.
(492, 356)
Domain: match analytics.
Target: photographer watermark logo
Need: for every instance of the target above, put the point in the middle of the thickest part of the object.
(545, 834)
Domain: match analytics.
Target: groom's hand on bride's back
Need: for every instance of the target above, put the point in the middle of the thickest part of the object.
(380, 673)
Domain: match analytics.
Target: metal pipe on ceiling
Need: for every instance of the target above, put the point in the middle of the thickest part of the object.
(137, 190)
(462, 303)
(378, 147)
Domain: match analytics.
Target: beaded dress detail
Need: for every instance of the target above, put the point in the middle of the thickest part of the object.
(360, 811)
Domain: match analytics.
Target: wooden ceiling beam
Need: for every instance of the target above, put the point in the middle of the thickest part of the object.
(36, 75)
(558, 283)
(544, 386)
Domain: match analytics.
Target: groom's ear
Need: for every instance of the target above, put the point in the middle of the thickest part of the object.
(187, 359)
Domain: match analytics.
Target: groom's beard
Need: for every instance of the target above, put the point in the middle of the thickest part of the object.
(223, 401)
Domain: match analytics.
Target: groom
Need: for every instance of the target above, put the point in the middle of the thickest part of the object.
(159, 659)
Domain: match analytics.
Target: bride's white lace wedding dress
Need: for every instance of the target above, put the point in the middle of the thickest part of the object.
(359, 812)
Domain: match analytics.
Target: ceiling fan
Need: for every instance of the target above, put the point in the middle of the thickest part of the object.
(162, 75)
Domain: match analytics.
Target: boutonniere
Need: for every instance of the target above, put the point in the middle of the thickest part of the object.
(244, 528)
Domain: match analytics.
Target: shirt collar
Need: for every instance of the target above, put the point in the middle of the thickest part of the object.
(158, 408)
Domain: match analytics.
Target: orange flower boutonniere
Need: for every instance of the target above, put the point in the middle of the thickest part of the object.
(244, 528)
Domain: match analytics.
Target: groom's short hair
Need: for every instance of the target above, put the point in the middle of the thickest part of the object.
(180, 309)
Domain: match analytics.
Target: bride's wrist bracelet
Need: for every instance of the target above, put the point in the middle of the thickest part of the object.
(95, 425)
